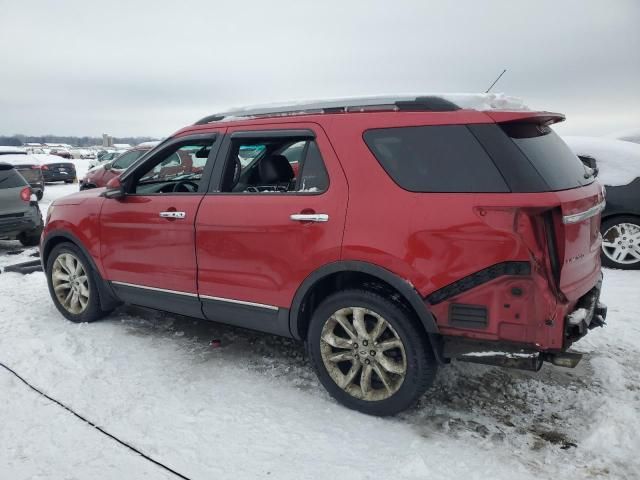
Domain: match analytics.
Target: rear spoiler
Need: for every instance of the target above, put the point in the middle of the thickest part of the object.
(539, 118)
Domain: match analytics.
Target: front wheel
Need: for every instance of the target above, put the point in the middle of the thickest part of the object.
(621, 242)
(73, 284)
(369, 353)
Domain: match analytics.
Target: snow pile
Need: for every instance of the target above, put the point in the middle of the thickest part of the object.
(618, 161)
(630, 135)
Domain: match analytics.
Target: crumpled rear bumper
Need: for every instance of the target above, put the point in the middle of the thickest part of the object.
(588, 313)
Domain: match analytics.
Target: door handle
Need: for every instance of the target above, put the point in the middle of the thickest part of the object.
(309, 217)
(173, 214)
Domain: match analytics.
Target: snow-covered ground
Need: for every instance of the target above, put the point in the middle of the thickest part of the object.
(254, 409)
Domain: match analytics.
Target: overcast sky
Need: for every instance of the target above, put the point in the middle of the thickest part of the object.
(151, 67)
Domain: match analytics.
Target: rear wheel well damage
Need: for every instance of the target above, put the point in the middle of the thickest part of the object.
(359, 275)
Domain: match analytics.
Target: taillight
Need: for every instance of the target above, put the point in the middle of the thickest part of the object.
(44, 167)
(25, 194)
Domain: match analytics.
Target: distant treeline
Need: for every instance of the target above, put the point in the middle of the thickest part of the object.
(19, 140)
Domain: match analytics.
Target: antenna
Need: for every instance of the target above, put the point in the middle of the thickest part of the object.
(496, 80)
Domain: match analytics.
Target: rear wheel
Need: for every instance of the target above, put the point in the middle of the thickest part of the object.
(39, 194)
(73, 284)
(369, 353)
(621, 242)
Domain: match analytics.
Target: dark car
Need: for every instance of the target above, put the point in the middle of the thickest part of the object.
(29, 168)
(620, 220)
(56, 169)
(412, 231)
(20, 216)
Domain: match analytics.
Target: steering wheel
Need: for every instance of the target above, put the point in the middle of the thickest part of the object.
(185, 186)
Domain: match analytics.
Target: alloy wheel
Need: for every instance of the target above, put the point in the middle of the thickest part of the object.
(70, 283)
(363, 354)
(621, 243)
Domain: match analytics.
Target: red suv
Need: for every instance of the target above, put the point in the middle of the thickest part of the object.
(391, 235)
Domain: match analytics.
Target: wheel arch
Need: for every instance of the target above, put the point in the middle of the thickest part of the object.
(108, 299)
(342, 274)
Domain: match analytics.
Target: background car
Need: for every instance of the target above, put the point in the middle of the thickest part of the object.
(100, 175)
(20, 216)
(617, 165)
(104, 158)
(28, 166)
(56, 169)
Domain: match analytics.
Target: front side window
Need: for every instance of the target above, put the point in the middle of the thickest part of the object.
(274, 165)
(176, 170)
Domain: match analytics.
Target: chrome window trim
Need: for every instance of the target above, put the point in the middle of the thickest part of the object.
(579, 217)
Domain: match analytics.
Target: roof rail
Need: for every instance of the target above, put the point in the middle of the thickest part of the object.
(364, 104)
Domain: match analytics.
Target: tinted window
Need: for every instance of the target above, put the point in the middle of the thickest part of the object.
(9, 178)
(314, 176)
(127, 159)
(560, 168)
(443, 158)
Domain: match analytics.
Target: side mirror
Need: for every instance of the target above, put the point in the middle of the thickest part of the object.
(115, 189)
(107, 166)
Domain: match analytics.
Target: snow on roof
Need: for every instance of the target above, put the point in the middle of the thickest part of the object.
(46, 158)
(471, 101)
(618, 161)
(630, 135)
(148, 144)
(8, 148)
(19, 159)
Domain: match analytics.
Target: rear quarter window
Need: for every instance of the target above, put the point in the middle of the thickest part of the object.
(440, 158)
(10, 178)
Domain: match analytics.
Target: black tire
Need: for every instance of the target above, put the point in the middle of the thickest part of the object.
(92, 311)
(421, 365)
(31, 238)
(608, 235)
(39, 194)
(68, 181)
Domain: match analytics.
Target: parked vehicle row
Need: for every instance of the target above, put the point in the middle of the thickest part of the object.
(39, 168)
(100, 175)
(391, 235)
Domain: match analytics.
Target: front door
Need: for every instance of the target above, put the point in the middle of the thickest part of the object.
(147, 246)
(276, 214)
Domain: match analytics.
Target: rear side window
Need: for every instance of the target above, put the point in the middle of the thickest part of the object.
(558, 166)
(10, 178)
(440, 158)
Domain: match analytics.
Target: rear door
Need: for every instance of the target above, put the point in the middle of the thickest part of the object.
(258, 237)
